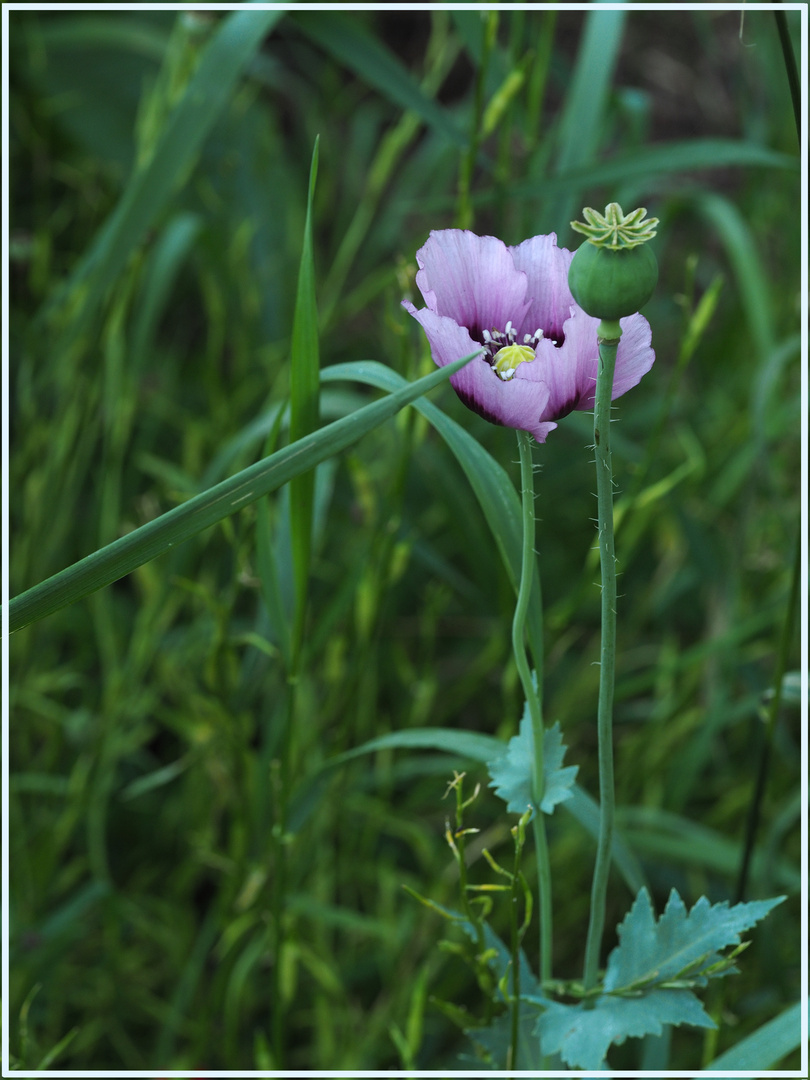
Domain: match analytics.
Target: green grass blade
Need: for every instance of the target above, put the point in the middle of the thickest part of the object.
(766, 1048)
(149, 189)
(267, 555)
(738, 240)
(304, 407)
(123, 556)
(169, 253)
(82, 30)
(466, 744)
(582, 124)
(656, 834)
(344, 39)
(492, 487)
(648, 161)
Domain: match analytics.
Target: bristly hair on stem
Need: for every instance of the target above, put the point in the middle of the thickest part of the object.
(607, 658)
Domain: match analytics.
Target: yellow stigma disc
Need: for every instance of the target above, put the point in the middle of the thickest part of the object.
(506, 360)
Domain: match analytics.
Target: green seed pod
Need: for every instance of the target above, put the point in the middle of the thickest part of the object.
(610, 284)
(613, 273)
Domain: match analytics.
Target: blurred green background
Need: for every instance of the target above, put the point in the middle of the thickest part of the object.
(150, 341)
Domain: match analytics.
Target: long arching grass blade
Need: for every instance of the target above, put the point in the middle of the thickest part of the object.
(174, 527)
(647, 161)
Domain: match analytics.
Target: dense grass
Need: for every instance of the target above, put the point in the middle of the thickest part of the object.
(189, 887)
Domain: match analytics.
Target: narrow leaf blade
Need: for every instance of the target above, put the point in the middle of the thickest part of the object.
(765, 1048)
(304, 409)
(124, 555)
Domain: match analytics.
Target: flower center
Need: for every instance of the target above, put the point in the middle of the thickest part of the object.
(504, 354)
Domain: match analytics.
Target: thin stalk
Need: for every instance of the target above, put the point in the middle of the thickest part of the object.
(791, 69)
(607, 660)
(534, 703)
(280, 772)
(771, 715)
(519, 886)
(514, 935)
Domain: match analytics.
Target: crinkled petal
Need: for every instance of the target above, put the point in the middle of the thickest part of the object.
(635, 355)
(448, 341)
(570, 370)
(519, 403)
(546, 268)
(472, 279)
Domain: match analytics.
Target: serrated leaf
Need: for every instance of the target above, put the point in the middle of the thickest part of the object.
(511, 773)
(582, 1036)
(651, 951)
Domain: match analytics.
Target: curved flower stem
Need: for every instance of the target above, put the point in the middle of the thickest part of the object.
(609, 334)
(533, 699)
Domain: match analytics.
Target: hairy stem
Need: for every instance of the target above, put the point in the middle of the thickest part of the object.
(533, 699)
(607, 660)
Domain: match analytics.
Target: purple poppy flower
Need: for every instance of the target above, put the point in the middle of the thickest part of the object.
(539, 354)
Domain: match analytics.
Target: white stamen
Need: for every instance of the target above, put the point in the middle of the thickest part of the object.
(487, 336)
(508, 328)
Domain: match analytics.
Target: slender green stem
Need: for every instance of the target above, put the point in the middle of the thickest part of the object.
(518, 832)
(281, 771)
(791, 69)
(771, 715)
(607, 661)
(533, 700)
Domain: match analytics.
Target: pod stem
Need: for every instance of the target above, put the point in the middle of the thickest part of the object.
(609, 333)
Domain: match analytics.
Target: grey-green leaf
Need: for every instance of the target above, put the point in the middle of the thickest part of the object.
(512, 771)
